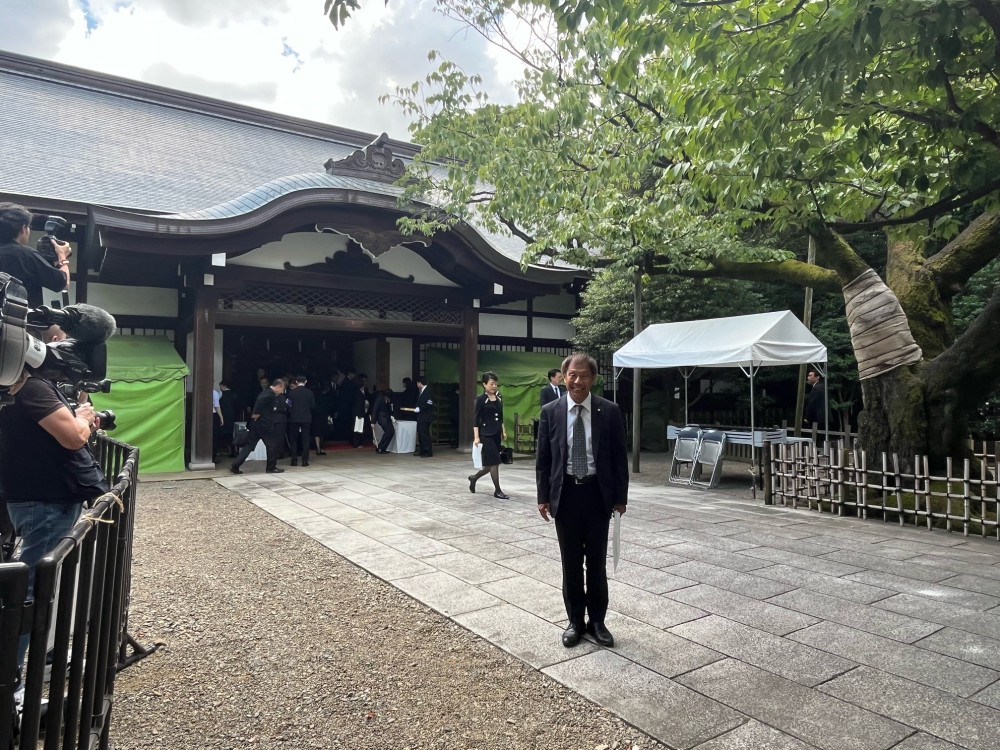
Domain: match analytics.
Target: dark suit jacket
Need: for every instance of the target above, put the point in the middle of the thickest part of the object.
(548, 395)
(426, 406)
(263, 426)
(610, 454)
(493, 425)
(382, 412)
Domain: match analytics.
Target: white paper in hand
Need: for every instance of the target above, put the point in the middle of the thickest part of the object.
(477, 456)
(616, 538)
(359, 424)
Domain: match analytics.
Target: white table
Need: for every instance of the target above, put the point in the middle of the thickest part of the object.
(405, 439)
(260, 450)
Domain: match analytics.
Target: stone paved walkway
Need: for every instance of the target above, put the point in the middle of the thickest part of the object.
(736, 625)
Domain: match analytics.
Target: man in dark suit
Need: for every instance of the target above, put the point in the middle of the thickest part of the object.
(382, 416)
(581, 472)
(425, 415)
(815, 405)
(552, 391)
(262, 427)
(300, 416)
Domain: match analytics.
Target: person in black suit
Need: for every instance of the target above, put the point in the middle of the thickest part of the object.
(262, 427)
(815, 404)
(382, 416)
(581, 472)
(425, 415)
(487, 430)
(552, 391)
(302, 402)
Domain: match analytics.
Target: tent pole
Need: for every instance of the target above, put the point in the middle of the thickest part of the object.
(753, 436)
(637, 372)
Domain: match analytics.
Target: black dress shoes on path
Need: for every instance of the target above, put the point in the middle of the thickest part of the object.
(601, 634)
(572, 635)
(500, 496)
(472, 483)
(275, 471)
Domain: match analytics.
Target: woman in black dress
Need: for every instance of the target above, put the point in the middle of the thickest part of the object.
(487, 431)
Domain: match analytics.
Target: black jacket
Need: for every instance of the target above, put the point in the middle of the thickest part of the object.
(488, 417)
(303, 403)
(426, 406)
(32, 270)
(610, 456)
(548, 395)
(382, 412)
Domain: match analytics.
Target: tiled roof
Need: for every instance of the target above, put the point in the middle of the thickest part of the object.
(77, 136)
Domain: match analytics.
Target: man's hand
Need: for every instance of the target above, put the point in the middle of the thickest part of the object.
(544, 509)
(63, 250)
(620, 509)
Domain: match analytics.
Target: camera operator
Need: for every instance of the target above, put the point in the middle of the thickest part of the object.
(25, 263)
(47, 472)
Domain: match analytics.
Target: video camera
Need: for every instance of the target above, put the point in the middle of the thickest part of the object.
(56, 228)
(79, 359)
(71, 391)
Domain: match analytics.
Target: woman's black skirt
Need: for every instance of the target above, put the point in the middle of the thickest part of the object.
(491, 449)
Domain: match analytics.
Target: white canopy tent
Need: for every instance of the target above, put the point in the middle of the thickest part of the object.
(746, 341)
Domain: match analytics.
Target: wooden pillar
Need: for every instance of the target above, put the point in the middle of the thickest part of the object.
(468, 376)
(205, 303)
(381, 381)
(84, 253)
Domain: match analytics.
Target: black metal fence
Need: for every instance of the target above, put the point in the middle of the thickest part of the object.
(78, 619)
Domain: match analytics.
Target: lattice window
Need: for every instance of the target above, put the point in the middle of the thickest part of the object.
(259, 299)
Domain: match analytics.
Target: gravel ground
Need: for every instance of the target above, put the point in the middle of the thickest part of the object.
(274, 641)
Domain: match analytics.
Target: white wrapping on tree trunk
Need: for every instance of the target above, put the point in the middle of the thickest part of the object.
(880, 331)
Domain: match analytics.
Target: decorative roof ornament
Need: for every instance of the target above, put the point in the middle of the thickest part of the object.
(374, 162)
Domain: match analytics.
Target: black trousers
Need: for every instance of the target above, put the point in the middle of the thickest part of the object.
(270, 443)
(388, 433)
(298, 439)
(424, 447)
(582, 528)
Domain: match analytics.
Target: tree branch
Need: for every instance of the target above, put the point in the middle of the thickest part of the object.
(970, 367)
(991, 14)
(781, 271)
(776, 22)
(927, 212)
(956, 262)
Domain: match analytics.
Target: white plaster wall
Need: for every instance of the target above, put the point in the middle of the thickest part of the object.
(217, 360)
(556, 303)
(552, 328)
(400, 362)
(132, 300)
(502, 325)
(305, 248)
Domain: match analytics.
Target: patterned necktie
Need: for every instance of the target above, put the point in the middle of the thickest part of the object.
(578, 453)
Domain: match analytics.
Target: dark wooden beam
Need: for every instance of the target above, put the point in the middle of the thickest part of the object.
(324, 323)
(205, 304)
(468, 376)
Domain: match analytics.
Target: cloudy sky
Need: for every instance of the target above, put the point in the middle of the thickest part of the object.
(279, 55)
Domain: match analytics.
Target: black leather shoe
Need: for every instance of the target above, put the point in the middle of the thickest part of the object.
(472, 483)
(275, 470)
(601, 634)
(320, 453)
(235, 470)
(500, 496)
(572, 635)
(295, 463)
(305, 464)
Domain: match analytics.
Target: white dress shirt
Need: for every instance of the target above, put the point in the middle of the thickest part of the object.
(570, 419)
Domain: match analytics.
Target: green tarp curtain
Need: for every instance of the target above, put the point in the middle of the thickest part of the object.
(521, 376)
(147, 397)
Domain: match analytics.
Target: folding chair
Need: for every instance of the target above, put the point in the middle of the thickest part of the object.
(685, 454)
(709, 459)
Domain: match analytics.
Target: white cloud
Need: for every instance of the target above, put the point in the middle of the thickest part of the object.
(281, 55)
